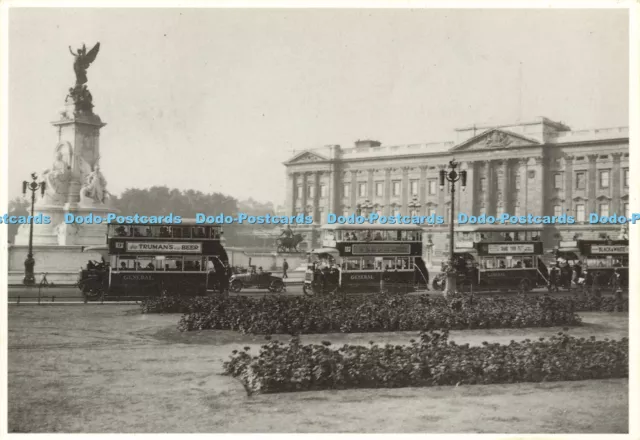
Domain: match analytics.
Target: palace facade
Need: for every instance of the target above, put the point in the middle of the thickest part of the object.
(541, 167)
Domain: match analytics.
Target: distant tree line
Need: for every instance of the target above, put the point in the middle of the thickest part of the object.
(162, 200)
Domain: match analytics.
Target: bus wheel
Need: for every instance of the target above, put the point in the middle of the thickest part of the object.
(92, 294)
(276, 286)
(524, 285)
(236, 286)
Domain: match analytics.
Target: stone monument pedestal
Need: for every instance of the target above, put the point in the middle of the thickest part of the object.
(73, 185)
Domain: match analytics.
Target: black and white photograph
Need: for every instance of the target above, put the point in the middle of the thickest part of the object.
(368, 218)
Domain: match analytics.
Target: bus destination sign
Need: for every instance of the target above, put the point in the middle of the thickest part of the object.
(601, 249)
(380, 249)
(511, 249)
(149, 246)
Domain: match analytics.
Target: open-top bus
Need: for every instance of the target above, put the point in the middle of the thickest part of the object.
(366, 258)
(146, 260)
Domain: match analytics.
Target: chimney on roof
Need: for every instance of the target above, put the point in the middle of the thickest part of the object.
(367, 143)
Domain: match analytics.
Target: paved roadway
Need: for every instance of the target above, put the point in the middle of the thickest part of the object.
(71, 294)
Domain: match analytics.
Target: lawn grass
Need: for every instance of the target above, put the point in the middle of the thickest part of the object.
(108, 369)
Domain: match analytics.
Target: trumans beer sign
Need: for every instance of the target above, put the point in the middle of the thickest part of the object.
(148, 246)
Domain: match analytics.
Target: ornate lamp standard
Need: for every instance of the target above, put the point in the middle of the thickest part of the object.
(29, 263)
(452, 177)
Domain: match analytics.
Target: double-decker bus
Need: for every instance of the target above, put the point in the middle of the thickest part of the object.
(144, 260)
(596, 264)
(367, 258)
(509, 265)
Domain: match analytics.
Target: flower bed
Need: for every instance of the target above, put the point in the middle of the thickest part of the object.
(433, 360)
(375, 313)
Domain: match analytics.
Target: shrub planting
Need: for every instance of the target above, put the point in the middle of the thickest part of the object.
(374, 313)
(432, 360)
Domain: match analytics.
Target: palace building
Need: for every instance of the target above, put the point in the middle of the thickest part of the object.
(540, 167)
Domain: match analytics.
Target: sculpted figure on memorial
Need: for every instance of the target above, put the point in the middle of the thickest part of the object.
(95, 188)
(57, 179)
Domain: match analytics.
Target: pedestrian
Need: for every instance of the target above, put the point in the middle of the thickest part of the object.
(285, 267)
(211, 274)
(554, 278)
(224, 279)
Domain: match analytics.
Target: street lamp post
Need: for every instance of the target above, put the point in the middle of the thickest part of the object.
(452, 177)
(29, 263)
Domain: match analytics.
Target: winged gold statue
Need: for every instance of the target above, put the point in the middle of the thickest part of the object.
(83, 60)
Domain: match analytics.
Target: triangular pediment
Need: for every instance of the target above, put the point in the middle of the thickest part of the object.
(306, 156)
(495, 138)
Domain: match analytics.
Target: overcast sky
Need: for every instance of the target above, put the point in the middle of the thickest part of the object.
(215, 100)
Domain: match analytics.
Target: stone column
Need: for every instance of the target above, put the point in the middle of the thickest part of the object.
(471, 189)
(488, 187)
(422, 188)
(592, 183)
(304, 193)
(524, 180)
(505, 190)
(292, 187)
(615, 183)
(535, 191)
(405, 190)
(568, 184)
(387, 191)
(354, 189)
(370, 189)
(316, 197)
(442, 195)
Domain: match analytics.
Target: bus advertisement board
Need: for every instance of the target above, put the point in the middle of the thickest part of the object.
(598, 249)
(175, 247)
(510, 248)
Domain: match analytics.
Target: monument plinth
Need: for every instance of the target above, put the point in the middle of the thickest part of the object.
(74, 186)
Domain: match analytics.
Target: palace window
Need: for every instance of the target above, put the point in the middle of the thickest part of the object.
(321, 218)
(311, 191)
(346, 212)
(603, 209)
(483, 210)
(483, 184)
(379, 189)
(396, 188)
(299, 192)
(346, 189)
(323, 190)
(414, 187)
(500, 209)
(517, 185)
(557, 210)
(557, 181)
(432, 211)
(433, 184)
(580, 213)
(604, 179)
(625, 174)
(581, 180)
(362, 189)
(414, 212)
(396, 210)
(516, 210)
